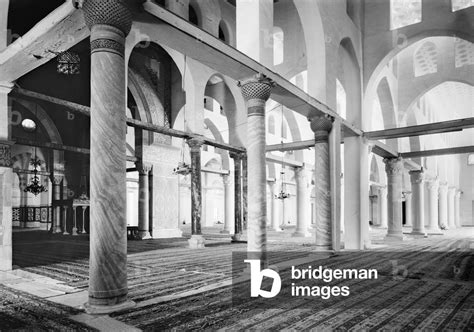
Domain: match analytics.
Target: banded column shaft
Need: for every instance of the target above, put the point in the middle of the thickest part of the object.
(144, 200)
(321, 127)
(417, 184)
(457, 208)
(451, 207)
(301, 203)
(256, 92)
(394, 169)
(383, 207)
(228, 211)
(433, 187)
(196, 240)
(245, 190)
(408, 209)
(109, 23)
(237, 157)
(56, 224)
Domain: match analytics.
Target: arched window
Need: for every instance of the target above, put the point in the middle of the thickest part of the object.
(278, 46)
(193, 17)
(461, 4)
(464, 53)
(271, 124)
(426, 59)
(404, 12)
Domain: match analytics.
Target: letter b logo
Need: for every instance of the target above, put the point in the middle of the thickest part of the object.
(256, 278)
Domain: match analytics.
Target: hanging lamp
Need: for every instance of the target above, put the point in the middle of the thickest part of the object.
(282, 194)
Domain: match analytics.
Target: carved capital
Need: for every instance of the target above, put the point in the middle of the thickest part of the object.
(417, 176)
(226, 179)
(237, 156)
(321, 126)
(143, 168)
(114, 13)
(5, 155)
(195, 144)
(256, 92)
(57, 179)
(393, 166)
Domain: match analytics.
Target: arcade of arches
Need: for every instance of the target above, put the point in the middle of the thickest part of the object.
(323, 120)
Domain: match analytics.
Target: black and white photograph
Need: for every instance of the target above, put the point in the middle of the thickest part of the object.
(236, 165)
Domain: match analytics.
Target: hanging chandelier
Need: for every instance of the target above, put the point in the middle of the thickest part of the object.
(35, 187)
(282, 194)
(69, 63)
(182, 169)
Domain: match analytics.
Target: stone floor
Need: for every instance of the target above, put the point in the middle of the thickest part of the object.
(178, 288)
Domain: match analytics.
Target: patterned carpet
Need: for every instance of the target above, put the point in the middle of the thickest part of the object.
(437, 293)
(20, 311)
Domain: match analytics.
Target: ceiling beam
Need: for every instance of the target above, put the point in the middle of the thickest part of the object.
(60, 30)
(291, 146)
(85, 110)
(419, 130)
(283, 161)
(438, 152)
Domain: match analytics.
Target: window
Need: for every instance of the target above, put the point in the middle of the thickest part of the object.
(271, 125)
(426, 59)
(461, 4)
(404, 12)
(463, 52)
(278, 46)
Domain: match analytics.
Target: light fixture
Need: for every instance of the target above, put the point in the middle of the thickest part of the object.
(69, 63)
(282, 194)
(35, 187)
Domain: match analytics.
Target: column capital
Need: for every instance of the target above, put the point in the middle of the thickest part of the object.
(195, 144)
(236, 155)
(394, 166)
(226, 179)
(321, 125)
(57, 179)
(433, 184)
(256, 90)
(6, 87)
(417, 176)
(115, 13)
(143, 168)
(5, 154)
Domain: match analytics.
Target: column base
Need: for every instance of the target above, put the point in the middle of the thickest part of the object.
(224, 232)
(66, 233)
(144, 235)
(197, 242)
(394, 238)
(74, 231)
(433, 231)
(97, 309)
(239, 238)
(56, 230)
(320, 248)
(418, 234)
(301, 233)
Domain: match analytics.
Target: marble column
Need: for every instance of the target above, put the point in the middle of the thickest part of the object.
(144, 200)
(237, 157)
(394, 169)
(302, 203)
(56, 224)
(408, 209)
(245, 203)
(6, 184)
(197, 240)
(451, 208)
(321, 126)
(228, 211)
(256, 92)
(443, 205)
(65, 209)
(433, 187)
(74, 220)
(383, 207)
(418, 189)
(109, 23)
(457, 208)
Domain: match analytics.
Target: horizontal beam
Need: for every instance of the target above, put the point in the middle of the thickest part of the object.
(85, 110)
(291, 146)
(58, 147)
(214, 171)
(438, 152)
(283, 161)
(60, 30)
(27, 171)
(425, 129)
(383, 150)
